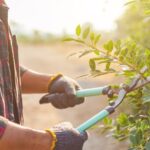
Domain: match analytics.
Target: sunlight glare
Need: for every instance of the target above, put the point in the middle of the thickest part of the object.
(58, 16)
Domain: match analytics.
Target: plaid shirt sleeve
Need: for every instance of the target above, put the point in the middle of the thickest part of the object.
(10, 85)
(3, 57)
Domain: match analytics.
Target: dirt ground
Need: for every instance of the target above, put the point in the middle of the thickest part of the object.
(53, 59)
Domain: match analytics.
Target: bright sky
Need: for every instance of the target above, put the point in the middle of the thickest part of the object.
(58, 16)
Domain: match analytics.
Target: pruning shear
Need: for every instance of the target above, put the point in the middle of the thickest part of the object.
(122, 92)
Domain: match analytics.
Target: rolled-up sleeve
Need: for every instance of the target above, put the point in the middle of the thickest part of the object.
(3, 125)
(22, 70)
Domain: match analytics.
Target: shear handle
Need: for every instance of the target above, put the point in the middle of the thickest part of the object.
(93, 91)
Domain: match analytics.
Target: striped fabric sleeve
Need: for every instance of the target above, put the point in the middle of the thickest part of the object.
(3, 125)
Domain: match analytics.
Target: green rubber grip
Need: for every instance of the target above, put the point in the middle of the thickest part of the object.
(90, 92)
(91, 122)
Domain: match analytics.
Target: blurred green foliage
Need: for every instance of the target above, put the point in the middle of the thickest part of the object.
(34, 36)
(136, 22)
(37, 37)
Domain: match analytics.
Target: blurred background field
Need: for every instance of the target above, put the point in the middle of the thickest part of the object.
(40, 35)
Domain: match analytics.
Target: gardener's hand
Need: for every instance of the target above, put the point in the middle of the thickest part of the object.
(62, 93)
(68, 138)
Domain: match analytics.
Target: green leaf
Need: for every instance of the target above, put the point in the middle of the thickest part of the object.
(109, 46)
(78, 30)
(146, 95)
(85, 53)
(147, 12)
(146, 99)
(108, 66)
(129, 73)
(147, 146)
(139, 136)
(68, 39)
(92, 64)
(136, 136)
(132, 119)
(147, 52)
(92, 36)
(97, 52)
(133, 139)
(85, 33)
(97, 38)
(121, 58)
(105, 46)
(117, 45)
(107, 121)
(103, 61)
(72, 39)
(123, 119)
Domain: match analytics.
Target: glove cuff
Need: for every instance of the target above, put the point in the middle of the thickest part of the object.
(52, 80)
(54, 139)
(68, 140)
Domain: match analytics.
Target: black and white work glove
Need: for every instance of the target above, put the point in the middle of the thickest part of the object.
(68, 138)
(62, 93)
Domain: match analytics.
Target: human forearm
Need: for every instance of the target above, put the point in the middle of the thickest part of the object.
(33, 82)
(17, 137)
